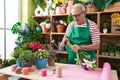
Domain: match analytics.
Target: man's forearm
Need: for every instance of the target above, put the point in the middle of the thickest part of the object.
(94, 46)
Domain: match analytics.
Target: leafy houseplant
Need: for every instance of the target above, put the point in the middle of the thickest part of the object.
(47, 21)
(26, 33)
(26, 57)
(41, 58)
(41, 54)
(16, 53)
(52, 57)
(105, 27)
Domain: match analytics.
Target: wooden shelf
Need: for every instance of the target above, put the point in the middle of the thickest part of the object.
(112, 57)
(46, 33)
(109, 34)
(55, 33)
(62, 52)
(98, 17)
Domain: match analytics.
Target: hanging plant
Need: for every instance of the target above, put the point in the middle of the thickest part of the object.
(41, 3)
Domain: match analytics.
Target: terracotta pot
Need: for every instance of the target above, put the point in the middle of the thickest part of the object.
(59, 10)
(60, 28)
(44, 29)
(51, 61)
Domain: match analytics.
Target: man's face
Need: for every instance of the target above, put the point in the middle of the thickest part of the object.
(77, 14)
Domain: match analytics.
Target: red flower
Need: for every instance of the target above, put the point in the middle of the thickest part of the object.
(35, 46)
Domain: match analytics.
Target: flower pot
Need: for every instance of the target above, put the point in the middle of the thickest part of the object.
(48, 25)
(105, 30)
(27, 64)
(18, 63)
(52, 12)
(60, 28)
(51, 61)
(41, 63)
(44, 29)
(38, 11)
(59, 10)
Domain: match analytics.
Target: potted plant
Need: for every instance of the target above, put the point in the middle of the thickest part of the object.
(117, 51)
(52, 56)
(60, 25)
(47, 21)
(26, 57)
(15, 54)
(41, 58)
(105, 27)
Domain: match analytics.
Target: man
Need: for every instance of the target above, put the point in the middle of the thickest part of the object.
(82, 33)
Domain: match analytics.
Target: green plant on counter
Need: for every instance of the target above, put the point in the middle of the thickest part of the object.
(8, 62)
(41, 54)
(26, 56)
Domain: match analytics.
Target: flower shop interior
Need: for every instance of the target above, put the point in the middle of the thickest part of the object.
(32, 32)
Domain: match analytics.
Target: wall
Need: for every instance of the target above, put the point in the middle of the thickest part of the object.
(27, 10)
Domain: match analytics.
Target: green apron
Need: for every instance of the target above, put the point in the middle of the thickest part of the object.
(79, 36)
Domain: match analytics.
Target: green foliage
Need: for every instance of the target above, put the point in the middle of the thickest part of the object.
(78, 1)
(106, 25)
(41, 54)
(102, 4)
(70, 18)
(14, 27)
(42, 3)
(8, 62)
(16, 53)
(33, 22)
(47, 21)
(26, 56)
(27, 33)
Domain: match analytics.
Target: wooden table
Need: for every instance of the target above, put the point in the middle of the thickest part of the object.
(69, 72)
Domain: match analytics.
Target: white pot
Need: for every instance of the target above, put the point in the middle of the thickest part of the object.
(48, 26)
(52, 12)
(105, 30)
(38, 11)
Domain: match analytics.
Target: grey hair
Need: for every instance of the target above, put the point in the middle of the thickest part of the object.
(80, 6)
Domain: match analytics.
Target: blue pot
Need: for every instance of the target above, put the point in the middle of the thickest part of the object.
(27, 64)
(18, 63)
(41, 63)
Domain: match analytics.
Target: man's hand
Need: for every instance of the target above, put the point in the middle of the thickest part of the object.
(62, 44)
(75, 48)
